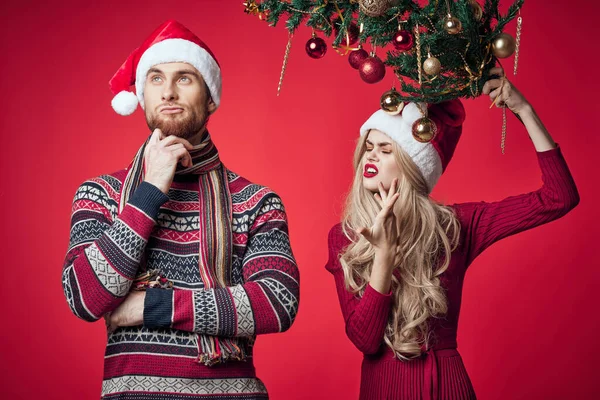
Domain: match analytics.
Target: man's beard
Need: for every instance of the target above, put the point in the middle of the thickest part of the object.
(184, 128)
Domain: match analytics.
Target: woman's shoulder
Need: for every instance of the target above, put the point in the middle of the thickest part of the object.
(337, 238)
(336, 242)
(465, 211)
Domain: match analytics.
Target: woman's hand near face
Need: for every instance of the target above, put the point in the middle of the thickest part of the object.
(383, 235)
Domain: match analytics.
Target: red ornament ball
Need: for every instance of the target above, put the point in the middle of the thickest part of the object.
(316, 47)
(372, 70)
(403, 40)
(357, 57)
(353, 33)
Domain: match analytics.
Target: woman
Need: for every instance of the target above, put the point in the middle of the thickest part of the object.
(399, 258)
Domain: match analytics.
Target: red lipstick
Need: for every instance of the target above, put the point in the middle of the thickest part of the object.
(370, 171)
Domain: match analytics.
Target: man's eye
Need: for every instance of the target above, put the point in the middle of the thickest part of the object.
(155, 78)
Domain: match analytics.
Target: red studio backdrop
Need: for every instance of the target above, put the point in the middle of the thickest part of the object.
(529, 321)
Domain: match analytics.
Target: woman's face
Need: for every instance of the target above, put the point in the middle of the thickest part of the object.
(379, 163)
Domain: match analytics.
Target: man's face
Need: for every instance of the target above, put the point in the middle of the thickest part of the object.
(176, 100)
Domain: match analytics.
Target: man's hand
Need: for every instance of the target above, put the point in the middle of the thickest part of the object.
(129, 313)
(161, 158)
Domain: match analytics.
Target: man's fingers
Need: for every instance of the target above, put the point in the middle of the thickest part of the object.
(183, 156)
(156, 136)
(171, 140)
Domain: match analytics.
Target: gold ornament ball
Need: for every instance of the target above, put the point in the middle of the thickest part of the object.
(503, 45)
(374, 8)
(424, 130)
(452, 25)
(432, 66)
(477, 10)
(391, 102)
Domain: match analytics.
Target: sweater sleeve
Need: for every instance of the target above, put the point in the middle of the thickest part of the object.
(366, 317)
(104, 253)
(486, 223)
(267, 301)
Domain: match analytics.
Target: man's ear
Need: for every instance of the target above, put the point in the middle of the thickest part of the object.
(212, 107)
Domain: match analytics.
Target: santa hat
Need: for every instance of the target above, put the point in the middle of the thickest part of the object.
(170, 42)
(432, 157)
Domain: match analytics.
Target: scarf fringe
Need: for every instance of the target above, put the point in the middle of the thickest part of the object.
(214, 350)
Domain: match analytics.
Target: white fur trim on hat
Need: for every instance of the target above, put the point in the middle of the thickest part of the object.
(399, 128)
(124, 103)
(179, 50)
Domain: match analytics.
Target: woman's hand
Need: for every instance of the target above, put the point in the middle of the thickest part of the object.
(503, 93)
(383, 234)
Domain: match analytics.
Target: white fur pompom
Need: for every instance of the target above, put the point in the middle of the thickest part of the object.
(411, 113)
(124, 103)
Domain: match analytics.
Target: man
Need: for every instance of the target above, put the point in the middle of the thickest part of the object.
(186, 260)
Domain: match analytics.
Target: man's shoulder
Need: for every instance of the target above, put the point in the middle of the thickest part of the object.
(244, 190)
(109, 183)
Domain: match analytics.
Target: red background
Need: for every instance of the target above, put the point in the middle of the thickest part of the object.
(529, 320)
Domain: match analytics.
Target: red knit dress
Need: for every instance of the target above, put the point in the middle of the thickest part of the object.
(440, 373)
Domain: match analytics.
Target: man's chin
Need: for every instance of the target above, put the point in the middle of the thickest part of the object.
(178, 125)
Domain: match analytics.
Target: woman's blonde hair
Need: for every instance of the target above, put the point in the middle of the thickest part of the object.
(427, 235)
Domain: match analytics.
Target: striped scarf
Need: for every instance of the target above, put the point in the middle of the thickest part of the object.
(215, 255)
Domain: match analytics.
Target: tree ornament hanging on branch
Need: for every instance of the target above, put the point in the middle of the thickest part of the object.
(316, 47)
(357, 57)
(372, 70)
(452, 25)
(432, 65)
(477, 10)
(403, 40)
(424, 130)
(503, 45)
(374, 8)
(391, 102)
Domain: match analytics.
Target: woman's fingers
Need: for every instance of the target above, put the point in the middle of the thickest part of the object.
(393, 186)
(393, 200)
(497, 71)
(366, 233)
(382, 191)
(378, 199)
(490, 85)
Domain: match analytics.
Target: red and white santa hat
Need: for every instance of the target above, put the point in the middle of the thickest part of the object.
(432, 157)
(170, 42)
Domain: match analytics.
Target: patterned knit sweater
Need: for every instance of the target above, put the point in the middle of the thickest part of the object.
(107, 250)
